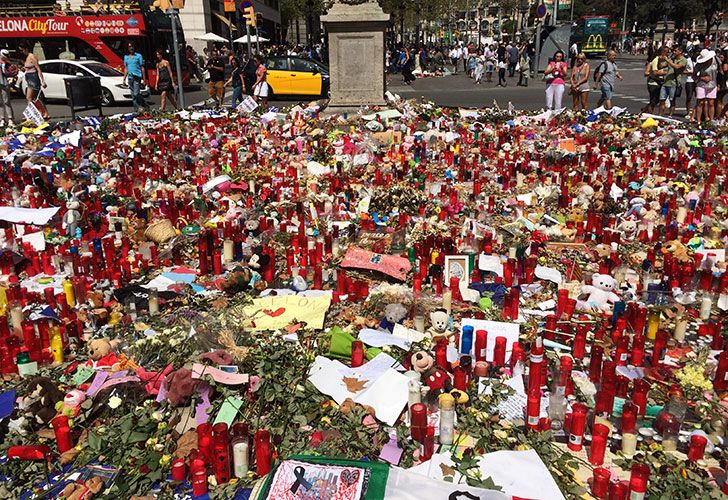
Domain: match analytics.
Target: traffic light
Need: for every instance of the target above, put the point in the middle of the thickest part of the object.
(249, 14)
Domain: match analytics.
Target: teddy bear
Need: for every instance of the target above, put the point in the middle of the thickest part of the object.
(393, 314)
(434, 377)
(601, 294)
(440, 319)
(238, 280)
(40, 400)
(677, 249)
(628, 228)
(101, 355)
(259, 260)
(79, 491)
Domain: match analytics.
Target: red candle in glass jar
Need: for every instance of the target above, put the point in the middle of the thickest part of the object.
(638, 481)
(639, 395)
(481, 343)
(262, 452)
(221, 452)
(598, 444)
(418, 421)
(720, 382)
(199, 483)
(460, 379)
(441, 353)
(499, 351)
(179, 469)
(204, 441)
(618, 490)
(659, 347)
(600, 482)
(595, 363)
(533, 410)
(579, 347)
(638, 350)
(697, 447)
(357, 353)
(578, 423)
(629, 417)
(63, 433)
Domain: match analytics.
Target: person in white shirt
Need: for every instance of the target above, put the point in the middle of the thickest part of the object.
(455, 58)
(7, 71)
(689, 85)
(573, 52)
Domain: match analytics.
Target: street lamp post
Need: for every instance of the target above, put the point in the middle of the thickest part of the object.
(172, 13)
(624, 22)
(417, 22)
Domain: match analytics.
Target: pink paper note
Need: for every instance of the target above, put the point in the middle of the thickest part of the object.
(391, 265)
(391, 452)
(201, 415)
(219, 376)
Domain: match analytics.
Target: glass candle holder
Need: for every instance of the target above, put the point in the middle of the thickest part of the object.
(697, 447)
(600, 482)
(638, 478)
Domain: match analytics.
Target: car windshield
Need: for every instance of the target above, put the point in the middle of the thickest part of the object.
(102, 69)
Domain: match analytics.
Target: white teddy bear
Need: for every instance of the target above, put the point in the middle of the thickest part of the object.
(601, 294)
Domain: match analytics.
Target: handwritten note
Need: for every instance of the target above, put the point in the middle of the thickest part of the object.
(219, 376)
(228, 410)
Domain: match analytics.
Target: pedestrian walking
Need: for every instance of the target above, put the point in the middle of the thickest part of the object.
(573, 54)
(216, 85)
(479, 67)
(656, 72)
(455, 58)
(7, 71)
(165, 83)
(555, 73)
(706, 85)
(502, 66)
(672, 88)
(192, 63)
(513, 54)
(407, 66)
(134, 76)
(261, 89)
(605, 78)
(237, 82)
(490, 63)
(524, 68)
(34, 79)
(579, 81)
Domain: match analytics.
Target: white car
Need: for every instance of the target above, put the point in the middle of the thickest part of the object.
(113, 86)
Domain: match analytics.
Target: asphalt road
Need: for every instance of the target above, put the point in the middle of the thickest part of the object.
(454, 90)
(459, 90)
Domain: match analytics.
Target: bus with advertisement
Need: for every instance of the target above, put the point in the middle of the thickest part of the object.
(591, 34)
(95, 32)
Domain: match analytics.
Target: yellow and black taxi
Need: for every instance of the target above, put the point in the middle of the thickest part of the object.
(291, 76)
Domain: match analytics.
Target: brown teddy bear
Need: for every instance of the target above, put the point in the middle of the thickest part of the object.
(78, 491)
(101, 355)
(180, 386)
(40, 400)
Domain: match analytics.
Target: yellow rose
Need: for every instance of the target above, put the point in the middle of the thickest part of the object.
(165, 459)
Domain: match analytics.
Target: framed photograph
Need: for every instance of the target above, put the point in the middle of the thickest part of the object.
(458, 266)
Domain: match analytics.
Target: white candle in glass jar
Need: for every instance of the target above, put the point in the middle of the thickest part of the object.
(629, 444)
(447, 301)
(682, 212)
(681, 326)
(240, 459)
(705, 305)
(227, 250)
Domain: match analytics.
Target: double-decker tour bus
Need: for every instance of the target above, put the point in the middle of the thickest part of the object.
(93, 30)
(591, 34)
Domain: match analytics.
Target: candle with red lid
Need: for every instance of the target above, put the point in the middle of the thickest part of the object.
(576, 429)
(263, 454)
(638, 478)
(357, 353)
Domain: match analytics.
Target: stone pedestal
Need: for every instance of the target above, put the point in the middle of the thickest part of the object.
(356, 54)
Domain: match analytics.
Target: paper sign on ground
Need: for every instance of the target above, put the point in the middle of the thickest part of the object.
(408, 334)
(490, 263)
(391, 265)
(272, 313)
(228, 410)
(248, 105)
(219, 376)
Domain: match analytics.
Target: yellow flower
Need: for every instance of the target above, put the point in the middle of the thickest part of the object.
(326, 420)
(165, 459)
(161, 426)
(151, 442)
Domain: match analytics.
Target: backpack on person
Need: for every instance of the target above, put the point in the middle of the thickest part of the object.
(597, 69)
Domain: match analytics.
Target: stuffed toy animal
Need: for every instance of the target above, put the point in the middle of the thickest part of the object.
(71, 404)
(40, 400)
(434, 377)
(677, 249)
(238, 280)
(259, 260)
(101, 355)
(440, 321)
(601, 294)
(77, 491)
(393, 314)
(628, 228)
(180, 386)
(72, 217)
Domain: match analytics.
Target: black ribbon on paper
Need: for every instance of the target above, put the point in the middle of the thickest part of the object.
(455, 495)
(300, 480)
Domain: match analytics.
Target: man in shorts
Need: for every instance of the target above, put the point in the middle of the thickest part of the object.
(216, 85)
(673, 80)
(606, 76)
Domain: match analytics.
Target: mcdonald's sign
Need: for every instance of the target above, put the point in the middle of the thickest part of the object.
(595, 43)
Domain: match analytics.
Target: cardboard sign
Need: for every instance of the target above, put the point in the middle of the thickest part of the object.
(272, 313)
(248, 105)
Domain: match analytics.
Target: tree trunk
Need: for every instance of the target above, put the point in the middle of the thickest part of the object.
(708, 23)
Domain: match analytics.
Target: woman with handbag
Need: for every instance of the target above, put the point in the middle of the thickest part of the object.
(706, 85)
(555, 73)
(34, 78)
(579, 81)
